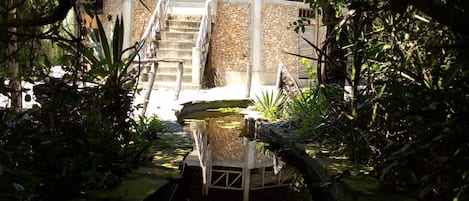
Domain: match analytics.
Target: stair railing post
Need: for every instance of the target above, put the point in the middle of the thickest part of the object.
(214, 9)
(209, 20)
(278, 81)
(154, 68)
(248, 80)
(180, 71)
(161, 14)
(196, 65)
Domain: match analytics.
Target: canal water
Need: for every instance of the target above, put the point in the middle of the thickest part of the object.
(189, 188)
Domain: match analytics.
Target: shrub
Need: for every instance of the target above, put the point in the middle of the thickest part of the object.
(81, 137)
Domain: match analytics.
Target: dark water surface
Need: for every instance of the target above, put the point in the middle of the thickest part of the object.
(189, 188)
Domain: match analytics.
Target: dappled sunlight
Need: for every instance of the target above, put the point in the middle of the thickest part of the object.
(335, 164)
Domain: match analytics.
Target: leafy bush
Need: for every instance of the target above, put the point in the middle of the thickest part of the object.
(310, 111)
(69, 144)
(82, 136)
(405, 109)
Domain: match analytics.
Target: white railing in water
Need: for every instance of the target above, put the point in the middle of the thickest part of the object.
(200, 51)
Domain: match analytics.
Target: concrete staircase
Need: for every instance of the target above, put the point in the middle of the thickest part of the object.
(176, 43)
(187, 7)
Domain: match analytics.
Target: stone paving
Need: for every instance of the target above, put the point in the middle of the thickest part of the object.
(163, 104)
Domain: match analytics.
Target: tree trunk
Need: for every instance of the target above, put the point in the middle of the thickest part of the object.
(331, 73)
(13, 68)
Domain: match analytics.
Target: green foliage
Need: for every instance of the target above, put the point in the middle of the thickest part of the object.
(82, 136)
(270, 104)
(311, 110)
(298, 185)
(405, 107)
(262, 147)
(312, 72)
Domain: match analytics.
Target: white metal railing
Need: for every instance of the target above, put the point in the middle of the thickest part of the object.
(154, 26)
(152, 30)
(200, 51)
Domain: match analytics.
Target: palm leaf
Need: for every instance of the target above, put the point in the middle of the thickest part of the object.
(104, 41)
(117, 41)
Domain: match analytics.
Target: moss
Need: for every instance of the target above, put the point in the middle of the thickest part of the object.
(136, 189)
(147, 179)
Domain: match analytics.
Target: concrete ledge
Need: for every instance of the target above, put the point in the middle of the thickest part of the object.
(193, 107)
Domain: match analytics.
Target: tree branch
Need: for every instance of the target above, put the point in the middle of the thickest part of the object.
(59, 14)
(446, 14)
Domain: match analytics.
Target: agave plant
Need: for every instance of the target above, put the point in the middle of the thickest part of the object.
(270, 104)
(108, 63)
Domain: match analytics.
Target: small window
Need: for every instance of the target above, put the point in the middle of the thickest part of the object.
(305, 13)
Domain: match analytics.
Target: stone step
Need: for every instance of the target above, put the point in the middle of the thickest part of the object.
(192, 30)
(173, 69)
(187, 62)
(166, 77)
(176, 45)
(178, 36)
(187, 4)
(167, 69)
(176, 42)
(174, 53)
(188, 1)
(181, 24)
(173, 62)
(184, 17)
(170, 85)
(171, 77)
(187, 7)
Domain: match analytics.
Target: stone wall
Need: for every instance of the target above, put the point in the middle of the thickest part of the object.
(230, 41)
(232, 38)
(112, 9)
(278, 37)
(142, 17)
